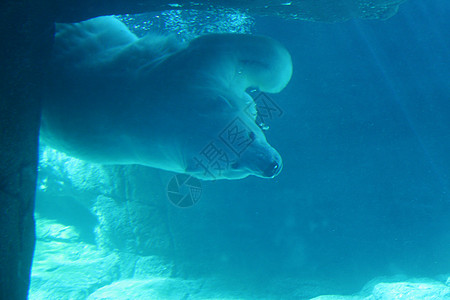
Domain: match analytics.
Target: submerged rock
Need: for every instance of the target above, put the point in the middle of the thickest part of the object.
(155, 288)
(411, 290)
(48, 230)
(66, 268)
(70, 270)
(118, 207)
(416, 289)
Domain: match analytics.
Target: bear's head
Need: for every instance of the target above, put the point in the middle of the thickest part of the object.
(204, 88)
(230, 145)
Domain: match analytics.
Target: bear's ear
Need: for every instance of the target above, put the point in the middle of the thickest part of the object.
(265, 64)
(246, 61)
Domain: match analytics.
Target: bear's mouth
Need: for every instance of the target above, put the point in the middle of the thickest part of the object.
(272, 170)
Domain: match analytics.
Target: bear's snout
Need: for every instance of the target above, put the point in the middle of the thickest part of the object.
(273, 169)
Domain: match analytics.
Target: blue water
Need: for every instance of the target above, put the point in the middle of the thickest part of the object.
(365, 189)
(365, 140)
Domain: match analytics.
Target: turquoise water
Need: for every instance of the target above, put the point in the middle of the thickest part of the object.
(363, 199)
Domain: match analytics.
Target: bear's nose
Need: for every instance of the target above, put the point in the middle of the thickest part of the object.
(273, 169)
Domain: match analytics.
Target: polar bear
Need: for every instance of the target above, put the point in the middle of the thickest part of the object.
(114, 98)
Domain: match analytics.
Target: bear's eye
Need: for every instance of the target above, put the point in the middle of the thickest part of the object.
(235, 165)
(251, 135)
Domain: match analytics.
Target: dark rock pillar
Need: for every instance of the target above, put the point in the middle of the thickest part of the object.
(26, 32)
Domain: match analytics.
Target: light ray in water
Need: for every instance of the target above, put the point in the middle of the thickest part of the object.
(383, 68)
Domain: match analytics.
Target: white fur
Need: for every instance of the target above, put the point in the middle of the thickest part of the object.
(116, 99)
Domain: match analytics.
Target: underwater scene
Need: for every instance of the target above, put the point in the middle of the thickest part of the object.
(240, 154)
